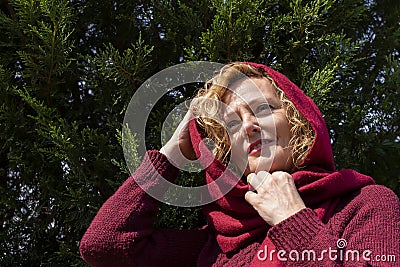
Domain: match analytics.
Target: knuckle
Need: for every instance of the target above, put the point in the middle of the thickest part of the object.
(275, 177)
(282, 178)
(249, 198)
(281, 175)
(250, 177)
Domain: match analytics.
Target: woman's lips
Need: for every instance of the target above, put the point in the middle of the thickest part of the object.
(257, 146)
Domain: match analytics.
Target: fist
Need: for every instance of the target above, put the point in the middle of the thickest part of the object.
(275, 198)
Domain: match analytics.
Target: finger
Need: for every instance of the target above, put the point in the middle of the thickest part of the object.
(263, 177)
(188, 115)
(282, 178)
(250, 197)
(184, 124)
(249, 177)
(257, 180)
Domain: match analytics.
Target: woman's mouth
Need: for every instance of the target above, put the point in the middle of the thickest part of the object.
(257, 146)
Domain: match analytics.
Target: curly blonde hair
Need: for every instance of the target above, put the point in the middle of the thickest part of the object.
(207, 104)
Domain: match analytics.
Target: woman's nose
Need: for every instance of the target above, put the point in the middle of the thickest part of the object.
(251, 125)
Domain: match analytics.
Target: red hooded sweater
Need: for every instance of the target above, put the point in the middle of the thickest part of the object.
(349, 221)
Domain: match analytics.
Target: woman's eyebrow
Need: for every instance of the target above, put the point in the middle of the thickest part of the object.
(229, 112)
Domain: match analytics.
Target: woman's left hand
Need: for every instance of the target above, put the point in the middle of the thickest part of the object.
(276, 198)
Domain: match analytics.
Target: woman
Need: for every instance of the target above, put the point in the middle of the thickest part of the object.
(291, 206)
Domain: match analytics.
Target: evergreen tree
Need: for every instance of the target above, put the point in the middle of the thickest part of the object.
(69, 68)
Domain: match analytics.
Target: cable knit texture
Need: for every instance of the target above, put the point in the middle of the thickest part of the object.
(341, 205)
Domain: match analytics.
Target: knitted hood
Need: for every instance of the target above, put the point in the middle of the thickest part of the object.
(319, 156)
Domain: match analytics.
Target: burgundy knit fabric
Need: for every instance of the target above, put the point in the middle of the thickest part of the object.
(340, 205)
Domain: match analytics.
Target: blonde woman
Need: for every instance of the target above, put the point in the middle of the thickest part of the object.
(290, 206)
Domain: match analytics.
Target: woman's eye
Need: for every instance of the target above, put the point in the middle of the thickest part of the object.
(232, 124)
(264, 107)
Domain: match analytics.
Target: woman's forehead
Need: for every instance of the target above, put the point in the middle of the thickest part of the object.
(250, 90)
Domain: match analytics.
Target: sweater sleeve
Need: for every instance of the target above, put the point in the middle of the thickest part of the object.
(368, 227)
(121, 234)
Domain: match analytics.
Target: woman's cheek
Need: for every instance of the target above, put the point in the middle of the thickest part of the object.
(239, 153)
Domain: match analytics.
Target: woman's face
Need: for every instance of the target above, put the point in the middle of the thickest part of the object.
(258, 128)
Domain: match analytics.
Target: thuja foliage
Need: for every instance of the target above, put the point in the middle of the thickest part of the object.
(69, 68)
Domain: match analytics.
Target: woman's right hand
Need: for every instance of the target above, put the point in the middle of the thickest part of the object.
(179, 148)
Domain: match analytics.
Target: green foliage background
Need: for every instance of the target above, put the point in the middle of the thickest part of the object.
(69, 68)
